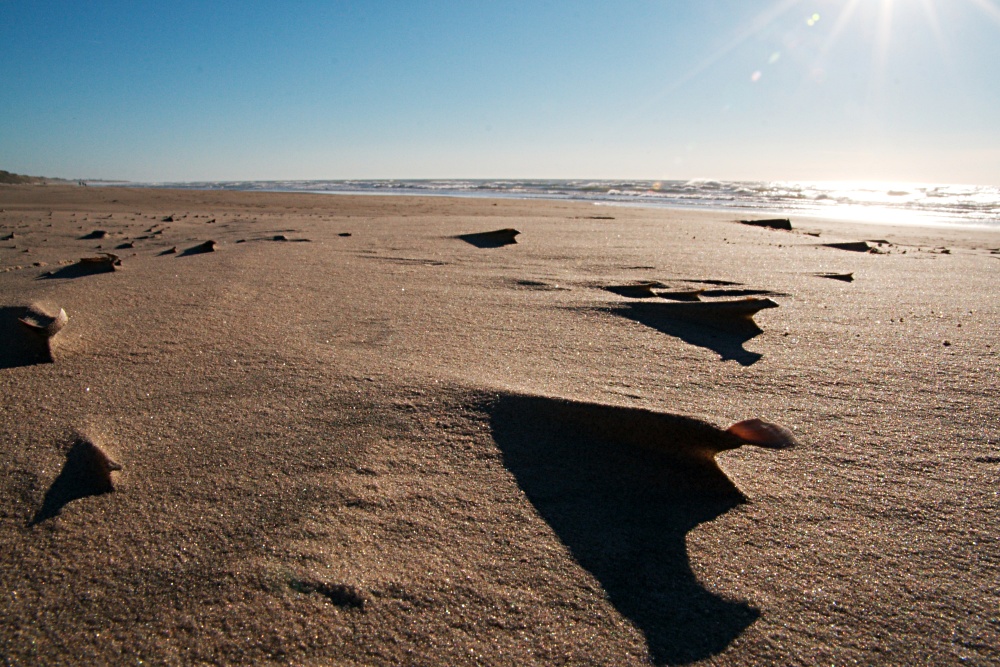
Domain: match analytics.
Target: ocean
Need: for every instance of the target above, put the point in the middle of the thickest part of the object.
(908, 204)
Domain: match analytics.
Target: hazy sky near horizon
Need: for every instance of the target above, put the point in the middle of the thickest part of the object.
(897, 90)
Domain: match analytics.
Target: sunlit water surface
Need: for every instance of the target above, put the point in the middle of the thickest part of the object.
(911, 204)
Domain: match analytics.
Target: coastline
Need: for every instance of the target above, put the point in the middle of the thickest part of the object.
(325, 443)
(896, 204)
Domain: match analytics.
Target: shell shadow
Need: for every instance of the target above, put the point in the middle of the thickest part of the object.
(724, 336)
(79, 270)
(623, 510)
(495, 239)
(86, 472)
(19, 345)
(200, 249)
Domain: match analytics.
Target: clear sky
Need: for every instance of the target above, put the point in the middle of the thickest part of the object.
(898, 90)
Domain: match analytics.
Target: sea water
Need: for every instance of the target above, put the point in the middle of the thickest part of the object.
(910, 204)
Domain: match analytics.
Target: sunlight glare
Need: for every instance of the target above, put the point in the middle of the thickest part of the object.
(760, 22)
(988, 6)
(930, 10)
(880, 55)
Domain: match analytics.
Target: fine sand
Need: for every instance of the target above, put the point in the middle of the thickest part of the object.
(366, 431)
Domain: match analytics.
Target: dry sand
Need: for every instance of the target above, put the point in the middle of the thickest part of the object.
(356, 450)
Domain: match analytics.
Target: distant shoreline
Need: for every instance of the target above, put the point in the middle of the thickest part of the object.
(899, 205)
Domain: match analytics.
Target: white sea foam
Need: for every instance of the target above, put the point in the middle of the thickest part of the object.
(892, 203)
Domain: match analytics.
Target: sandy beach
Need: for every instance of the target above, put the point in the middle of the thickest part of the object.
(349, 436)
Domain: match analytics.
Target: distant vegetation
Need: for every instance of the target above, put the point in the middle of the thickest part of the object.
(8, 178)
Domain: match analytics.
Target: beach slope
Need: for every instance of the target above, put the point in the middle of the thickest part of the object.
(329, 430)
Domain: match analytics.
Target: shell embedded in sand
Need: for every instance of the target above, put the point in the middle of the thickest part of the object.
(39, 320)
(853, 246)
(207, 246)
(844, 277)
(643, 290)
(107, 261)
(682, 295)
(763, 434)
(92, 464)
(772, 223)
(740, 309)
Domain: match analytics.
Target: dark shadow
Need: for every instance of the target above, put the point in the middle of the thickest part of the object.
(724, 336)
(636, 290)
(740, 292)
(681, 295)
(19, 345)
(853, 246)
(771, 223)
(342, 595)
(283, 238)
(494, 239)
(79, 270)
(712, 282)
(645, 290)
(843, 277)
(623, 509)
(201, 248)
(85, 473)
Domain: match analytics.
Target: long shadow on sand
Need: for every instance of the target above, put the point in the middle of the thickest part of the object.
(79, 270)
(495, 239)
(20, 346)
(86, 472)
(623, 510)
(725, 337)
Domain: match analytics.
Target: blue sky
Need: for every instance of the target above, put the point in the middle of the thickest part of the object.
(891, 90)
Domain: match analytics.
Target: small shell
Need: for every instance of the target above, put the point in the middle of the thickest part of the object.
(739, 309)
(107, 261)
(91, 465)
(763, 434)
(37, 319)
(207, 246)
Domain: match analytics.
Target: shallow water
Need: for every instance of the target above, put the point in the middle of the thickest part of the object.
(908, 204)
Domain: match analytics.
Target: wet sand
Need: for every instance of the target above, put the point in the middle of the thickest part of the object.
(344, 436)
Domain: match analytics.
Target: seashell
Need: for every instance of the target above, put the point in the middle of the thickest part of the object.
(763, 434)
(207, 246)
(86, 472)
(40, 321)
(91, 465)
(739, 309)
(643, 290)
(106, 261)
(853, 246)
(843, 277)
(771, 223)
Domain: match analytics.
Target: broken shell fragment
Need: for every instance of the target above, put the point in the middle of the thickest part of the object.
(37, 319)
(105, 262)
